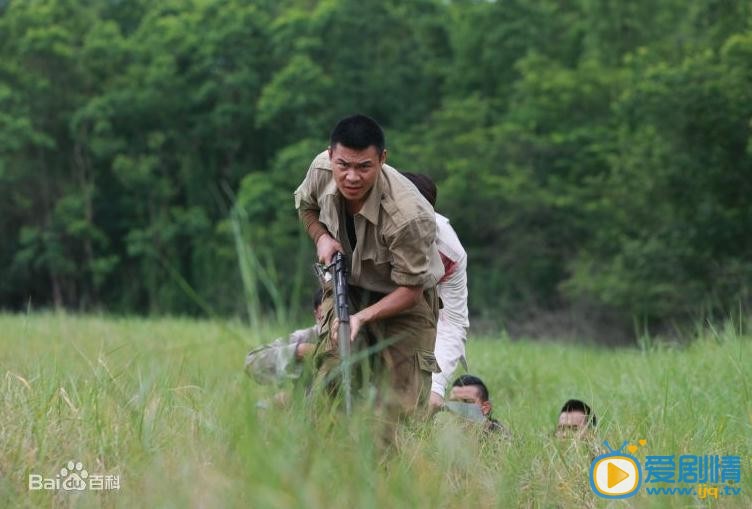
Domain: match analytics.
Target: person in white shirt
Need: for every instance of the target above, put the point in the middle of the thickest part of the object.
(451, 333)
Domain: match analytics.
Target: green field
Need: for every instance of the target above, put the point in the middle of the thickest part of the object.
(164, 405)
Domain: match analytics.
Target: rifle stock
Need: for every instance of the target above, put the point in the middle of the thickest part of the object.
(343, 331)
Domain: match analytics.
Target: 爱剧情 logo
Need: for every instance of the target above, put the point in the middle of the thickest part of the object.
(74, 477)
(616, 474)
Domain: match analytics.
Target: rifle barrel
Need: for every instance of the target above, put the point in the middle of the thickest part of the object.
(343, 331)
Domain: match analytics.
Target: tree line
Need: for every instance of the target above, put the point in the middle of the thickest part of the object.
(594, 156)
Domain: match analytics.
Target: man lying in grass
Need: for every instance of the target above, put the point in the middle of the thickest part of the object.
(282, 359)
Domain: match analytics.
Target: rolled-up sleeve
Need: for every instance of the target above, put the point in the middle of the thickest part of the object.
(305, 194)
(307, 203)
(411, 247)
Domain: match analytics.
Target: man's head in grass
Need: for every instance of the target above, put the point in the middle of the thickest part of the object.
(576, 419)
(471, 389)
(469, 398)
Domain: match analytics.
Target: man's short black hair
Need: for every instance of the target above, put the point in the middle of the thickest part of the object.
(318, 296)
(425, 185)
(358, 132)
(574, 405)
(466, 380)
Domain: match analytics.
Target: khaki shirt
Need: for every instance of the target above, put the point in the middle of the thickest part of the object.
(395, 229)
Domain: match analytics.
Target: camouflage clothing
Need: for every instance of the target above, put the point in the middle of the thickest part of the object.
(275, 362)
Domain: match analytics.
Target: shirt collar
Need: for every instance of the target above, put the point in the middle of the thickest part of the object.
(372, 205)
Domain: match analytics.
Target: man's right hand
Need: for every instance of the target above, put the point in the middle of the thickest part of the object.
(326, 246)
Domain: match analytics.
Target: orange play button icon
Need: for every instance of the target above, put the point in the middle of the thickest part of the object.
(615, 475)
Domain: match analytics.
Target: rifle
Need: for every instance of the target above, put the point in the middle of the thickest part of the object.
(343, 331)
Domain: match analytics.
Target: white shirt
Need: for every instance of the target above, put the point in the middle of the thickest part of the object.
(453, 321)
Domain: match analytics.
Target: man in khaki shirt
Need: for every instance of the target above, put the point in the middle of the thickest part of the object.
(352, 202)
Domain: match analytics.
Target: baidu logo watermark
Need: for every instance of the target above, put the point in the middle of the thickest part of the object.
(74, 477)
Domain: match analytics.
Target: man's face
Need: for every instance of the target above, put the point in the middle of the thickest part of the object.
(470, 394)
(355, 171)
(572, 424)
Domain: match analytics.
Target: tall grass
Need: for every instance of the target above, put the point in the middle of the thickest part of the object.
(165, 405)
(258, 270)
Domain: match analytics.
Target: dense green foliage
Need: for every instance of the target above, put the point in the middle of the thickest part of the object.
(137, 398)
(592, 155)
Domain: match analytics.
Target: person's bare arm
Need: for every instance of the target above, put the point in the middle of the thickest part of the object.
(395, 302)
